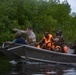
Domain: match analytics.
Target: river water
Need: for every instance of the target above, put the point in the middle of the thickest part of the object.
(39, 68)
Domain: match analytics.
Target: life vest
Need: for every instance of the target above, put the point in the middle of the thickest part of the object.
(48, 42)
(38, 46)
(53, 46)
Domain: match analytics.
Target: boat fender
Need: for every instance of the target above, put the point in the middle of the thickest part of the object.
(65, 49)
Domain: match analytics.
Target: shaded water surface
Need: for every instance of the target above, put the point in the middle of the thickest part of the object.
(38, 68)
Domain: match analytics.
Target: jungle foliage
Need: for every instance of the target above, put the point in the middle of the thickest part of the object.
(41, 15)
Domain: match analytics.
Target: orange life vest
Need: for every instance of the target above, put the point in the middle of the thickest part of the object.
(48, 42)
(49, 39)
(38, 46)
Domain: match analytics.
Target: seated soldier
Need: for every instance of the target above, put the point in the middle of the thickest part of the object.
(57, 45)
(18, 39)
(59, 35)
(73, 46)
(47, 41)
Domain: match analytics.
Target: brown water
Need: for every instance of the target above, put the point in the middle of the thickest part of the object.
(38, 68)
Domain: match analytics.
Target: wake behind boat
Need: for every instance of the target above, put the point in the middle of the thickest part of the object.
(26, 52)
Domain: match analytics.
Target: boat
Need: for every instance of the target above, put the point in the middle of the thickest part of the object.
(31, 53)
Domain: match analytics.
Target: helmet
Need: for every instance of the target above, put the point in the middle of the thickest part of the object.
(59, 32)
(17, 34)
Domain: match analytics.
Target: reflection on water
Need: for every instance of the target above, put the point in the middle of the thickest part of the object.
(38, 68)
(71, 71)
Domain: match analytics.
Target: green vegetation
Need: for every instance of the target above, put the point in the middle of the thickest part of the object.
(39, 14)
